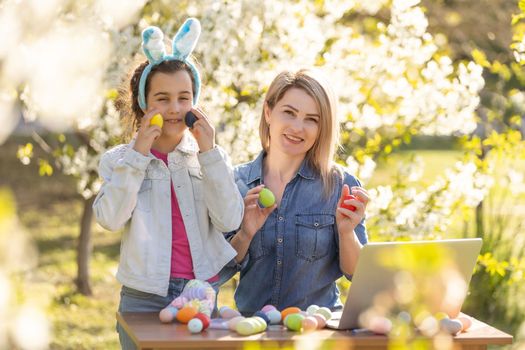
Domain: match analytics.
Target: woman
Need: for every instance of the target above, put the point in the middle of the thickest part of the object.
(291, 253)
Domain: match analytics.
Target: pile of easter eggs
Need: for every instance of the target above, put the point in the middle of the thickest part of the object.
(190, 315)
(293, 318)
(313, 318)
(454, 325)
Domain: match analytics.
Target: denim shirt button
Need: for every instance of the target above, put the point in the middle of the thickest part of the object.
(280, 240)
(279, 262)
(316, 224)
(281, 218)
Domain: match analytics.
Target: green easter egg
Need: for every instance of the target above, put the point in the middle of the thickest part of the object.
(266, 198)
(294, 322)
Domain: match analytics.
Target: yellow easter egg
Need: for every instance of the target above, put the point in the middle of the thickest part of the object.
(246, 327)
(157, 120)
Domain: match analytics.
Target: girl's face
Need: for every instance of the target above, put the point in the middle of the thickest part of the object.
(172, 95)
(294, 123)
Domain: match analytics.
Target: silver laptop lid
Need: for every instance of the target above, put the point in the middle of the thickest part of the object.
(410, 276)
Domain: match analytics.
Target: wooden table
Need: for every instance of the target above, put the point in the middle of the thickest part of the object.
(148, 333)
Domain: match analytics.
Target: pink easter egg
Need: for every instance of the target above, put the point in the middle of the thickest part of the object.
(230, 313)
(168, 314)
(267, 308)
(380, 325)
(321, 320)
(310, 323)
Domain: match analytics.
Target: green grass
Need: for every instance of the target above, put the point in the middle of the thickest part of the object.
(434, 161)
(49, 211)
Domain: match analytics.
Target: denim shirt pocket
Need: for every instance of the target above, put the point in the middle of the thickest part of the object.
(144, 196)
(260, 244)
(196, 183)
(314, 236)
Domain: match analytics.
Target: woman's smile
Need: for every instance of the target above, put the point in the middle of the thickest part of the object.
(293, 139)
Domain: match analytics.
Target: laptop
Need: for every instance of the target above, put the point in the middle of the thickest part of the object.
(400, 276)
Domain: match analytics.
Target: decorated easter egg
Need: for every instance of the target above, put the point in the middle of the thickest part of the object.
(263, 316)
(274, 316)
(321, 320)
(294, 322)
(227, 312)
(309, 323)
(195, 325)
(348, 206)
(465, 321)
(266, 198)
(312, 309)
(451, 326)
(168, 314)
(157, 120)
(246, 327)
(405, 317)
(267, 308)
(205, 319)
(186, 314)
(380, 325)
(232, 322)
(289, 310)
(325, 312)
(260, 323)
(190, 119)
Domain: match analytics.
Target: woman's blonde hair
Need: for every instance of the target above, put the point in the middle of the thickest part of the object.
(321, 156)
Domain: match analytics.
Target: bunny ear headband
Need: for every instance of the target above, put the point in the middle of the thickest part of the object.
(183, 45)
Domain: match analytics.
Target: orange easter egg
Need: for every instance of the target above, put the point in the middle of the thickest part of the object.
(186, 314)
(288, 311)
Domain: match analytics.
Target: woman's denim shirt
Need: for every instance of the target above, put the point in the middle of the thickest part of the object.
(293, 260)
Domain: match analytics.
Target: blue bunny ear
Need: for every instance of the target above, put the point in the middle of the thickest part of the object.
(153, 45)
(186, 38)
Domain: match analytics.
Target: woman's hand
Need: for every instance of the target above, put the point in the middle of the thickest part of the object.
(254, 216)
(203, 130)
(347, 220)
(253, 220)
(147, 133)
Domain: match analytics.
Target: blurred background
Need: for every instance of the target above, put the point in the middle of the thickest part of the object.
(432, 109)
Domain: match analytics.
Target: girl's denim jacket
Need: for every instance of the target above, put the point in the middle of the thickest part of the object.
(136, 194)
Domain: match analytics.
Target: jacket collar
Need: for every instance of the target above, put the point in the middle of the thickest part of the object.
(187, 145)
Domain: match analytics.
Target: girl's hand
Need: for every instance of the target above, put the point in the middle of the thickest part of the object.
(147, 133)
(203, 131)
(347, 220)
(254, 216)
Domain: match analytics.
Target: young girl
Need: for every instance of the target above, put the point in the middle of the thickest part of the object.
(171, 187)
(292, 253)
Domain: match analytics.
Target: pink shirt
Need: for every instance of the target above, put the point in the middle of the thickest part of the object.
(181, 262)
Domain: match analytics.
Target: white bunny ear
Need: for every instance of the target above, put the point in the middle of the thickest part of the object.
(153, 45)
(186, 38)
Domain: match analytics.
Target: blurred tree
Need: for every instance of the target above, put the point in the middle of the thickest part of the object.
(393, 77)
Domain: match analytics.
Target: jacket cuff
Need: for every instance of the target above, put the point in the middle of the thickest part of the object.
(210, 156)
(136, 159)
